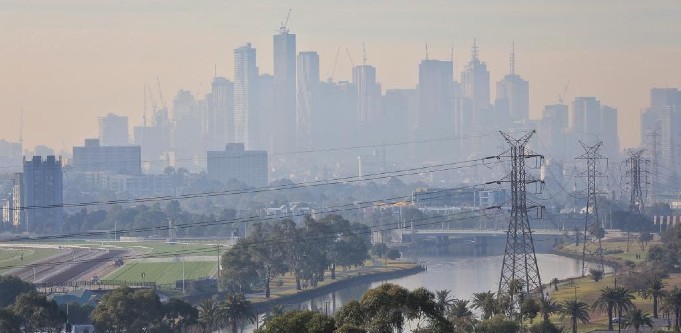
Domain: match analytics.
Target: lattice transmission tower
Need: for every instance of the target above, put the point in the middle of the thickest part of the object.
(520, 260)
(636, 170)
(592, 250)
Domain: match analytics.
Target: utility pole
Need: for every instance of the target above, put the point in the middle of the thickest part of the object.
(592, 225)
(520, 260)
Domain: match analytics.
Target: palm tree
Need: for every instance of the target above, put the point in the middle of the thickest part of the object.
(547, 307)
(576, 310)
(275, 311)
(636, 318)
(236, 310)
(672, 302)
(443, 300)
(485, 302)
(461, 315)
(209, 314)
(655, 289)
(617, 298)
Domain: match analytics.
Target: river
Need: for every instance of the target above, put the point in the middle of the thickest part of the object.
(462, 275)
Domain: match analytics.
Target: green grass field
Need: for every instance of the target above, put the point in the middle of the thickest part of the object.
(159, 248)
(11, 257)
(162, 272)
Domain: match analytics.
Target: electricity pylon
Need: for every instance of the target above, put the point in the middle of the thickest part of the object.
(520, 260)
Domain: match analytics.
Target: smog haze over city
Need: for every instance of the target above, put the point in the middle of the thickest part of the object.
(365, 166)
(69, 62)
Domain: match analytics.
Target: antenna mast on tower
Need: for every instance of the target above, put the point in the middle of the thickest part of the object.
(512, 60)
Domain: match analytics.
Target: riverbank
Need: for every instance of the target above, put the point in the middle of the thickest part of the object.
(587, 290)
(283, 288)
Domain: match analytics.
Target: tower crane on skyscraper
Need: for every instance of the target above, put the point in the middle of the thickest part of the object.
(352, 63)
(564, 94)
(335, 62)
(160, 92)
(283, 28)
(154, 106)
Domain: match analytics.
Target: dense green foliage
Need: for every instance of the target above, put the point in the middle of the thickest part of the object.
(306, 252)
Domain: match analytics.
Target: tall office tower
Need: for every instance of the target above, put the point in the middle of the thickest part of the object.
(264, 114)
(367, 92)
(307, 95)
(187, 138)
(513, 96)
(336, 124)
(610, 137)
(42, 187)
(554, 127)
(113, 130)
(585, 122)
(218, 114)
(399, 109)
(662, 118)
(435, 117)
(285, 90)
(476, 86)
(245, 95)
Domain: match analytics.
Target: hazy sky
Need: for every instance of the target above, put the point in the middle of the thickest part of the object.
(66, 62)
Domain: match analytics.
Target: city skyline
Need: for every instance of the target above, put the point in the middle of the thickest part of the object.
(100, 57)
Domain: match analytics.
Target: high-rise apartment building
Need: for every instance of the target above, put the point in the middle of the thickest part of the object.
(284, 45)
(42, 187)
(436, 78)
(245, 95)
(662, 119)
(554, 128)
(585, 121)
(307, 95)
(218, 114)
(113, 130)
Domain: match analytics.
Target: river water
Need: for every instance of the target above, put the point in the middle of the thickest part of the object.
(462, 275)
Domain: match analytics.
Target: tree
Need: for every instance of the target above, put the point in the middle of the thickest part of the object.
(443, 300)
(636, 318)
(351, 314)
(577, 311)
(529, 309)
(300, 322)
(11, 287)
(547, 307)
(239, 270)
(178, 314)
(128, 310)
(546, 327)
(497, 324)
(461, 316)
(38, 314)
(672, 302)
(236, 310)
(9, 322)
(209, 314)
(611, 299)
(486, 303)
(654, 287)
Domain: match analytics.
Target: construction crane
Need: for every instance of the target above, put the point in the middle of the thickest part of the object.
(154, 106)
(160, 92)
(563, 95)
(333, 70)
(364, 50)
(283, 28)
(352, 63)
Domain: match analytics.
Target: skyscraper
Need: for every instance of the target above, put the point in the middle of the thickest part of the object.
(476, 86)
(113, 130)
(218, 114)
(610, 137)
(435, 117)
(245, 85)
(368, 92)
(307, 94)
(585, 122)
(42, 191)
(285, 90)
(513, 95)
